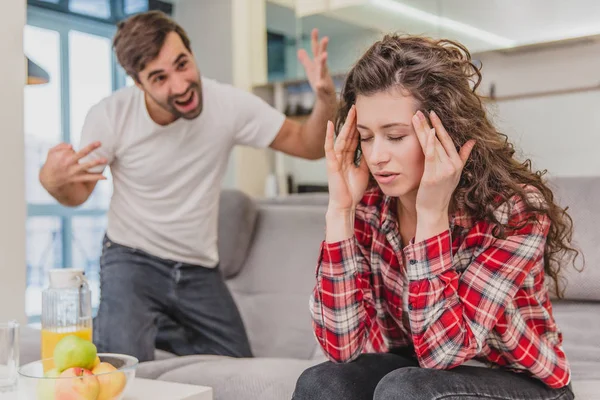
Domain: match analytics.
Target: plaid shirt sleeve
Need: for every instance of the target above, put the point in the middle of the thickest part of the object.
(342, 304)
(452, 313)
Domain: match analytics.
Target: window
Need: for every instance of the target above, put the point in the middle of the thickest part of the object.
(90, 76)
(94, 8)
(44, 251)
(135, 6)
(77, 55)
(43, 124)
(109, 11)
(86, 249)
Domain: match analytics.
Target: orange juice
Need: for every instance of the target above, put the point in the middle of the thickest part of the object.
(51, 338)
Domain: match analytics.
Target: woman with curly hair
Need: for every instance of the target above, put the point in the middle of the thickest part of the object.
(439, 243)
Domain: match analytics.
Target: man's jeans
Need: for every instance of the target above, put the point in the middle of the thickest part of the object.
(147, 303)
(397, 376)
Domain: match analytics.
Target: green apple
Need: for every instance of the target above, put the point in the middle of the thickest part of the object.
(73, 351)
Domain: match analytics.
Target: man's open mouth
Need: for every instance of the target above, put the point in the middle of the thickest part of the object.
(186, 101)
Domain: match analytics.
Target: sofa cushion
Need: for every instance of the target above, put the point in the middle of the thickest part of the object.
(581, 196)
(246, 378)
(587, 390)
(237, 215)
(273, 288)
(580, 326)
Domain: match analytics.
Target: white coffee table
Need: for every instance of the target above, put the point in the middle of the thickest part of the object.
(146, 389)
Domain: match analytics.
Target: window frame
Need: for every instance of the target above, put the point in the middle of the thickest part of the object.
(117, 9)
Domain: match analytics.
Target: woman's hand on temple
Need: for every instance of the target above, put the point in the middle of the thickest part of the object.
(441, 174)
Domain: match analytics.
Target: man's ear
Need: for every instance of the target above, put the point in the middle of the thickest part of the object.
(138, 83)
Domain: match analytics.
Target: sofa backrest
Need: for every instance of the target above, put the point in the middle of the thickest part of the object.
(272, 288)
(237, 217)
(305, 199)
(582, 196)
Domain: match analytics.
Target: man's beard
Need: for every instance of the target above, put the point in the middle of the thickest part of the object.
(172, 108)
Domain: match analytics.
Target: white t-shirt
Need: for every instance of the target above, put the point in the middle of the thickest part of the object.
(167, 179)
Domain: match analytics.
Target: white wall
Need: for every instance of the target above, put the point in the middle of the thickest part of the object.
(554, 68)
(12, 169)
(560, 132)
(208, 24)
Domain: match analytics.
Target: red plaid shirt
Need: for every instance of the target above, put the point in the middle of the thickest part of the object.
(470, 295)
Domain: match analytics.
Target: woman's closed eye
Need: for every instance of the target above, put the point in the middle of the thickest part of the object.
(396, 138)
(391, 138)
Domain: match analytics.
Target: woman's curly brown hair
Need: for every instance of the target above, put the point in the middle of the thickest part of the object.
(440, 74)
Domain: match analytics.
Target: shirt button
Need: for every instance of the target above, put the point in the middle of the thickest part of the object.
(412, 262)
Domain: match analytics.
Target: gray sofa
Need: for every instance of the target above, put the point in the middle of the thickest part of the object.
(268, 251)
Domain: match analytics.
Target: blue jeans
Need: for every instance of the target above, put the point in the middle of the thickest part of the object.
(147, 302)
(397, 376)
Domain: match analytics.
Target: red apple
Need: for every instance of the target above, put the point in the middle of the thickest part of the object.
(80, 385)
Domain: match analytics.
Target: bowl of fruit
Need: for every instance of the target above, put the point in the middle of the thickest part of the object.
(77, 372)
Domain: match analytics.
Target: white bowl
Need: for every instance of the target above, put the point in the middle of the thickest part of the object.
(33, 385)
